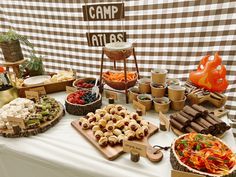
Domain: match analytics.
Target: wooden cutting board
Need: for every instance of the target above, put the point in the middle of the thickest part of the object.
(111, 153)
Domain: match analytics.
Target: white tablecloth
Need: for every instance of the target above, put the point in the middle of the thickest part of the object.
(63, 152)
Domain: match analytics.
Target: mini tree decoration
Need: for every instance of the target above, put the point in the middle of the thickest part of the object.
(10, 44)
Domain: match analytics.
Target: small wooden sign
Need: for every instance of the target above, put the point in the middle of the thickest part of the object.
(220, 112)
(32, 95)
(138, 105)
(40, 90)
(176, 173)
(16, 121)
(100, 39)
(70, 89)
(139, 148)
(101, 12)
(165, 120)
(110, 94)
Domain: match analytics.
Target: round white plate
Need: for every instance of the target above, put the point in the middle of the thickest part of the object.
(36, 80)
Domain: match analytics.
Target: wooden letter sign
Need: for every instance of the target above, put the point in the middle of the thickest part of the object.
(70, 89)
(110, 94)
(138, 105)
(100, 39)
(96, 12)
(176, 173)
(16, 121)
(40, 90)
(32, 95)
(139, 148)
(165, 120)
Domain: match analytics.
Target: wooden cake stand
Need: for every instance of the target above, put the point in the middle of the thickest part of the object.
(14, 66)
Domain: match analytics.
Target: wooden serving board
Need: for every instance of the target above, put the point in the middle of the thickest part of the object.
(42, 128)
(111, 153)
(49, 87)
(220, 112)
(198, 95)
(179, 133)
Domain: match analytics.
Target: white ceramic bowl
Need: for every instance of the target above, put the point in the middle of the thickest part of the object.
(118, 46)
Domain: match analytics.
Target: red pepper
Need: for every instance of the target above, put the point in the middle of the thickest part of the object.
(2, 69)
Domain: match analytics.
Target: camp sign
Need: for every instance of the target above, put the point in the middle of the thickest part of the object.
(98, 12)
(100, 39)
(102, 12)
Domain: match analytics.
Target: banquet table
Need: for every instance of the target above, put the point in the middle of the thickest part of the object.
(63, 152)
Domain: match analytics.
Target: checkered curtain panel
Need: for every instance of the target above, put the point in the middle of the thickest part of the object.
(169, 34)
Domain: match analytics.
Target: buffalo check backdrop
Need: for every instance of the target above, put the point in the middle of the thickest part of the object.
(171, 34)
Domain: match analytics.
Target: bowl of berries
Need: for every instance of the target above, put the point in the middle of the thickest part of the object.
(84, 83)
(82, 102)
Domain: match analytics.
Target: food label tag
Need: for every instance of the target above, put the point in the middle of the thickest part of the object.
(165, 120)
(70, 89)
(138, 105)
(32, 95)
(110, 94)
(139, 148)
(16, 121)
(176, 173)
(40, 90)
(220, 112)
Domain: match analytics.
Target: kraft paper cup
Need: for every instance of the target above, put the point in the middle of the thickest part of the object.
(161, 104)
(176, 92)
(144, 85)
(158, 90)
(159, 75)
(146, 103)
(172, 82)
(178, 105)
(133, 93)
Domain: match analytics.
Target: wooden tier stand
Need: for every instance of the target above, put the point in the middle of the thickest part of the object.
(111, 153)
(14, 66)
(34, 131)
(126, 54)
